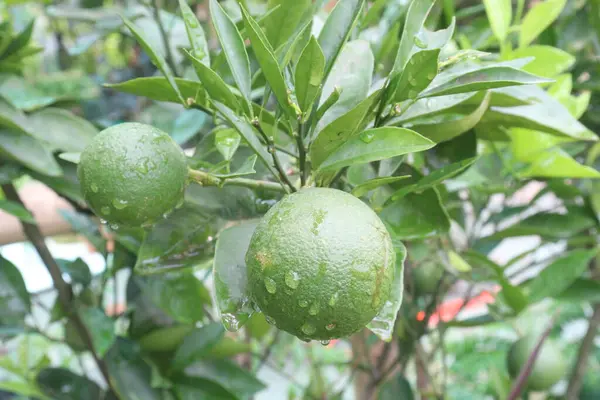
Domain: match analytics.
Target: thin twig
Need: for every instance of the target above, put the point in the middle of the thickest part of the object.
(206, 179)
(268, 350)
(165, 38)
(65, 294)
(273, 151)
(581, 364)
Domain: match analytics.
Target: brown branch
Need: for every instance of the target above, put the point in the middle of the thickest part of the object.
(65, 294)
(581, 364)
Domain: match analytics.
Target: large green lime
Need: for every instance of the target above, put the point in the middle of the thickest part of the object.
(549, 367)
(320, 264)
(132, 174)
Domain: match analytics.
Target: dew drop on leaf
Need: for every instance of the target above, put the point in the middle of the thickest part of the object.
(419, 42)
(103, 221)
(325, 342)
(119, 204)
(412, 94)
(270, 285)
(367, 137)
(105, 210)
(230, 322)
(114, 227)
(94, 187)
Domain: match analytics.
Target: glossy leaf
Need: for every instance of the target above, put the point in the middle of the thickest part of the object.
(247, 168)
(17, 210)
(418, 74)
(433, 106)
(157, 58)
(26, 389)
(78, 270)
(245, 129)
(230, 275)
(337, 133)
(233, 48)
(538, 18)
(159, 88)
(130, 374)
(101, 328)
(560, 274)
(447, 126)
(29, 152)
(581, 290)
(63, 384)
(268, 63)
(12, 117)
(309, 75)
(13, 294)
(196, 344)
(62, 129)
(398, 387)
(434, 178)
(337, 29)
(376, 144)
(499, 13)
(227, 142)
(415, 19)
(548, 61)
(165, 339)
(384, 322)
(189, 388)
(227, 374)
(195, 34)
(486, 77)
(19, 42)
(373, 184)
(284, 21)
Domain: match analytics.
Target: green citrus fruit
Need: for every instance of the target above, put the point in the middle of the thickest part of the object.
(426, 276)
(548, 369)
(320, 264)
(132, 174)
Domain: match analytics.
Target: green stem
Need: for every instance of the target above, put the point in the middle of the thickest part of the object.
(273, 151)
(519, 12)
(302, 153)
(206, 179)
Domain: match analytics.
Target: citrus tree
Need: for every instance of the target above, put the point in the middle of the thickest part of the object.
(345, 170)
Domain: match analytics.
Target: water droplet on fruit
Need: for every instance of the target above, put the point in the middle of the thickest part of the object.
(119, 204)
(308, 329)
(330, 327)
(230, 322)
(270, 285)
(105, 210)
(325, 342)
(367, 137)
(305, 340)
(314, 309)
(303, 303)
(94, 187)
(333, 299)
(103, 221)
(114, 227)
(270, 320)
(292, 279)
(419, 42)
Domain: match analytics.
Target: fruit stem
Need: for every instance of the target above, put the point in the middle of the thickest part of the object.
(206, 179)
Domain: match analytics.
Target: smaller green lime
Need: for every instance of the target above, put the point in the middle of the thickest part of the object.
(548, 368)
(426, 276)
(132, 174)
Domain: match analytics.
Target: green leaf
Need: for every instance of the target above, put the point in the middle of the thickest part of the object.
(372, 184)
(14, 293)
(396, 388)
(539, 17)
(165, 339)
(29, 152)
(416, 216)
(447, 126)
(247, 168)
(230, 275)
(62, 129)
(245, 129)
(189, 388)
(337, 29)
(375, 144)
(19, 42)
(26, 389)
(433, 107)
(195, 34)
(130, 374)
(581, 291)
(268, 63)
(197, 344)
(486, 77)
(457, 262)
(62, 384)
(157, 59)
(12, 117)
(284, 20)
(159, 88)
(233, 48)
(77, 270)
(340, 130)
(499, 13)
(550, 225)
(227, 142)
(434, 178)
(558, 276)
(415, 19)
(384, 322)
(548, 62)
(227, 374)
(309, 75)
(101, 327)
(418, 74)
(179, 294)
(17, 210)
(73, 158)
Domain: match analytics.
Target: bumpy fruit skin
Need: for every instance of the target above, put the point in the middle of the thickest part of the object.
(320, 264)
(132, 174)
(548, 369)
